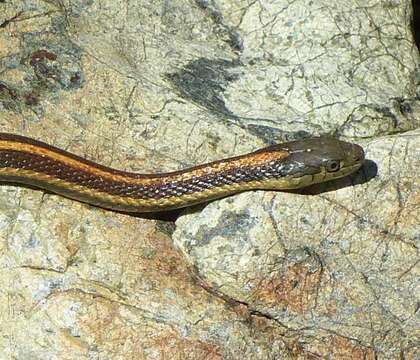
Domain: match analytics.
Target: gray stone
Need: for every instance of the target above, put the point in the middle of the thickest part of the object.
(153, 86)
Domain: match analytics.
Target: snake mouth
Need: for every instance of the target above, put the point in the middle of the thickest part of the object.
(355, 160)
(342, 173)
(358, 155)
(350, 169)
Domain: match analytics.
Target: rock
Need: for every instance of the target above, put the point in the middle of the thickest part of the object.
(343, 261)
(158, 86)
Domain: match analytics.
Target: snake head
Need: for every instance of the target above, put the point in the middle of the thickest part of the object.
(314, 160)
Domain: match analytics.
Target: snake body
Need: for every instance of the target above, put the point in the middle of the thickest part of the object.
(284, 166)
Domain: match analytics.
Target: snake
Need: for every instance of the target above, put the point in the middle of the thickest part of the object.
(286, 166)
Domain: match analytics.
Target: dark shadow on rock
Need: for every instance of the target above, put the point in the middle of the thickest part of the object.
(204, 81)
(167, 216)
(369, 170)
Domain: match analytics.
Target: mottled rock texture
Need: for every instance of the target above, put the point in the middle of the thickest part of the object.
(148, 86)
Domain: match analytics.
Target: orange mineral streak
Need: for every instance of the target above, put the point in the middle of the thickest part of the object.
(69, 160)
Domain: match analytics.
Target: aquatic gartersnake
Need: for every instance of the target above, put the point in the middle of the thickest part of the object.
(284, 166)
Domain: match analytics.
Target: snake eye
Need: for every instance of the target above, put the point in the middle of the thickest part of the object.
(332, 165)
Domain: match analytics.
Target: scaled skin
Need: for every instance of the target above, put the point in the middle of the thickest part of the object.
(279, 167)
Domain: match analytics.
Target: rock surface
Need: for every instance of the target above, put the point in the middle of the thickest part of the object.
(343, 261)
(156, 86)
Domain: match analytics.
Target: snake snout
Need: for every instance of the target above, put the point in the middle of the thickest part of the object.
(358, 154)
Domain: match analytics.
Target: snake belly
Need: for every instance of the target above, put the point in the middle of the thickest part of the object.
(278, 167)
